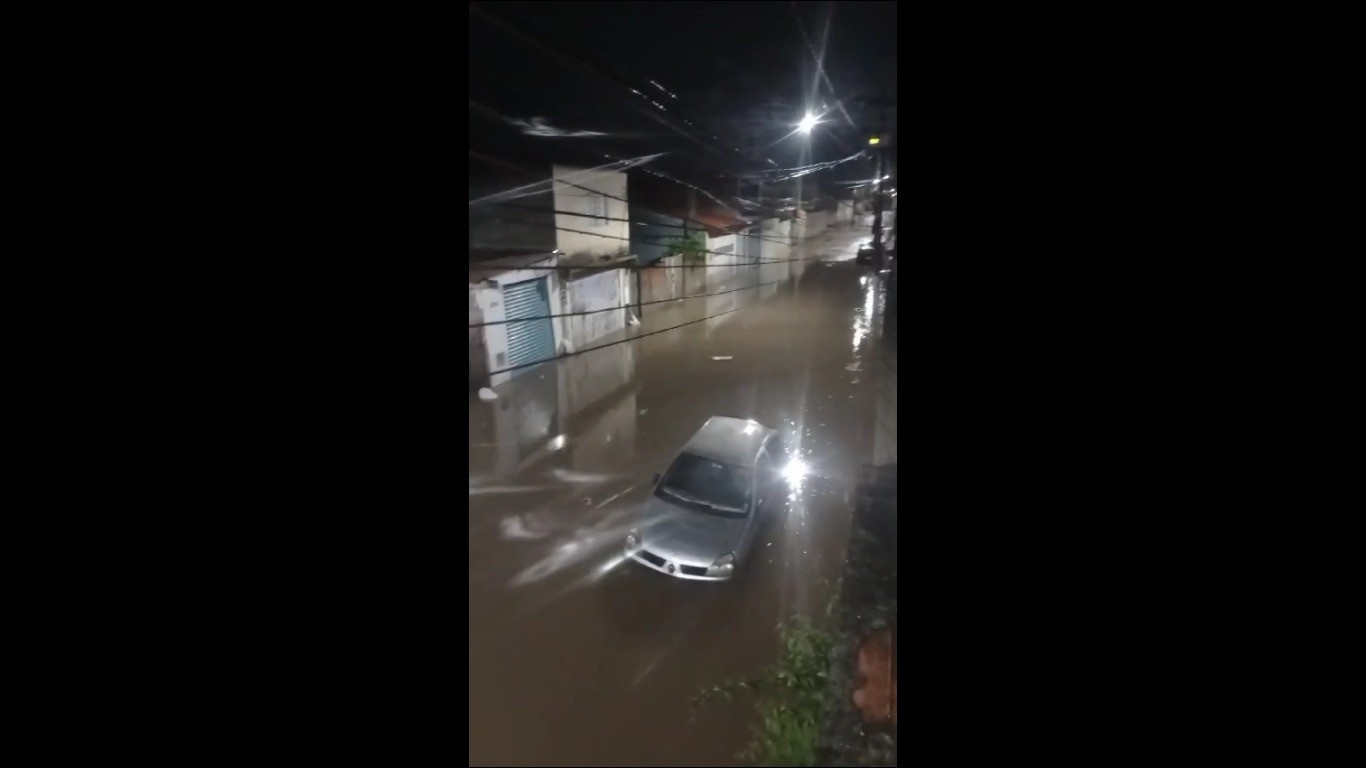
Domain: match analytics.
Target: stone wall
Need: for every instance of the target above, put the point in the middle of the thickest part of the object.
(855, 734)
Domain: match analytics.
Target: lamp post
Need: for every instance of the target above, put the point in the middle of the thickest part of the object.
(807, 123)
(877, 203)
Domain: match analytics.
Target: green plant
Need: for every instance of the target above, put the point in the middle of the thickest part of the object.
(693, 248)
(791, 697)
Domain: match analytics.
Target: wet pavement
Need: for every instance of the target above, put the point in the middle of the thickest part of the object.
(579, 658)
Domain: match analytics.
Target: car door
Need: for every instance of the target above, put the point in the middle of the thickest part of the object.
(768, 474)
(761, 500)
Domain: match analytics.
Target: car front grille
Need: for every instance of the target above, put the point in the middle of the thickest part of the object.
(694, 570)
(652, 557)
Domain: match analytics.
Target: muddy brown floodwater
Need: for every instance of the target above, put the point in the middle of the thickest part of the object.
(579, 658)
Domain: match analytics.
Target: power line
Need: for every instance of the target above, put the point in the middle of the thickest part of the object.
(614, 343)
(560, 54)
(627, 239)
(552, 180)
(596, 217)
(620, 307)
(820, 66)
(625, 164)
(485, 110)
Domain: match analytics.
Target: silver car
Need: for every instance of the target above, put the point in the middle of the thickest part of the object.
(704, 515)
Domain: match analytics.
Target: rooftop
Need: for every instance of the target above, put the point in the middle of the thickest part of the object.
(486, 265)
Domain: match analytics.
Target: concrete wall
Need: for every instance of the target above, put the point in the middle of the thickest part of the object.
(722, 260)
(599, 291)
(776, 229)
(596, 377)
(527, 415)
(661, 282)
(479, 361)
(589, 395)
(592, 237)
(818, 221)
(844, 212)
(776, 235)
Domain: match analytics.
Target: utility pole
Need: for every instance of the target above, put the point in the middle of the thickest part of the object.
(883, 136)
(877, 208)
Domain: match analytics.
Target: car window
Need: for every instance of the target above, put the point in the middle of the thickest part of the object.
(706, 486)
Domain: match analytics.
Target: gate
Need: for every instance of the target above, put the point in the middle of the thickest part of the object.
(529, 341)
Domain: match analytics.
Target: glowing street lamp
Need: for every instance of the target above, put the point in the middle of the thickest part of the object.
(807, 123)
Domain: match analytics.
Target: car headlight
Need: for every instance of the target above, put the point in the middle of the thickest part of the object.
(633, 539)
(724, 564)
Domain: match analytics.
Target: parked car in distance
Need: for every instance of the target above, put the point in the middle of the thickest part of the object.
(704, 515)
(865, 253)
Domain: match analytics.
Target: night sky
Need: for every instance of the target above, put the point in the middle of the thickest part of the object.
(732, 79)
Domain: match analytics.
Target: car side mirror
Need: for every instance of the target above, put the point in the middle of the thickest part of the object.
(656, 480)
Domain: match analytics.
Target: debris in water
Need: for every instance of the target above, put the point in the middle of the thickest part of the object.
(487, 394)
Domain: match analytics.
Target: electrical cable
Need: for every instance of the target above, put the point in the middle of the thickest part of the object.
(820, 66)
(626, 306)
(614, 343)
(684, 227)
(627, 239)
(527, 189)
(560, 54)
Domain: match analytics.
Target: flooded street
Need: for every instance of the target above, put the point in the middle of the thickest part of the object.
(578, 657)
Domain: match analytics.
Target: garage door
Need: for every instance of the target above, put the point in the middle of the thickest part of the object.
(529, 341)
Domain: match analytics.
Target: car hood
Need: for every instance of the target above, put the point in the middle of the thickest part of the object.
(687, 536)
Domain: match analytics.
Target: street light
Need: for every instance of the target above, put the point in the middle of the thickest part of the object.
(807, 123)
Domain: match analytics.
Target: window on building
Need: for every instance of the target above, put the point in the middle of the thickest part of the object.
(597, 207)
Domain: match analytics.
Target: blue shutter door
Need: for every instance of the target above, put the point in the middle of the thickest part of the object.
(529, 341)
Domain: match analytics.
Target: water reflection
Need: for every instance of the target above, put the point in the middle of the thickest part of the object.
(863, 319)
(581, 406)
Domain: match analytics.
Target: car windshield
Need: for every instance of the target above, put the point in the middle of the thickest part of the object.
(706, 485)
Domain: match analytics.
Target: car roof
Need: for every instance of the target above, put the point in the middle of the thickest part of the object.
(729, 440)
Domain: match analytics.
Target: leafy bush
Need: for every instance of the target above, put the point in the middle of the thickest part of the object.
(791, 697)
(693, 248)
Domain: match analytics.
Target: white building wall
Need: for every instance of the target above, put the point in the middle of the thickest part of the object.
(479, 362)
(594, 293)
(721, 260)
(844, 212)
(592, 237)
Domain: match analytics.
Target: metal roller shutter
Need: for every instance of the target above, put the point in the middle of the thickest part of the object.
(529, 341)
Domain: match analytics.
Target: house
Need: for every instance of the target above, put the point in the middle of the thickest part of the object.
(505, 288)
(530, 224)
(532, 206)
(664, 212)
